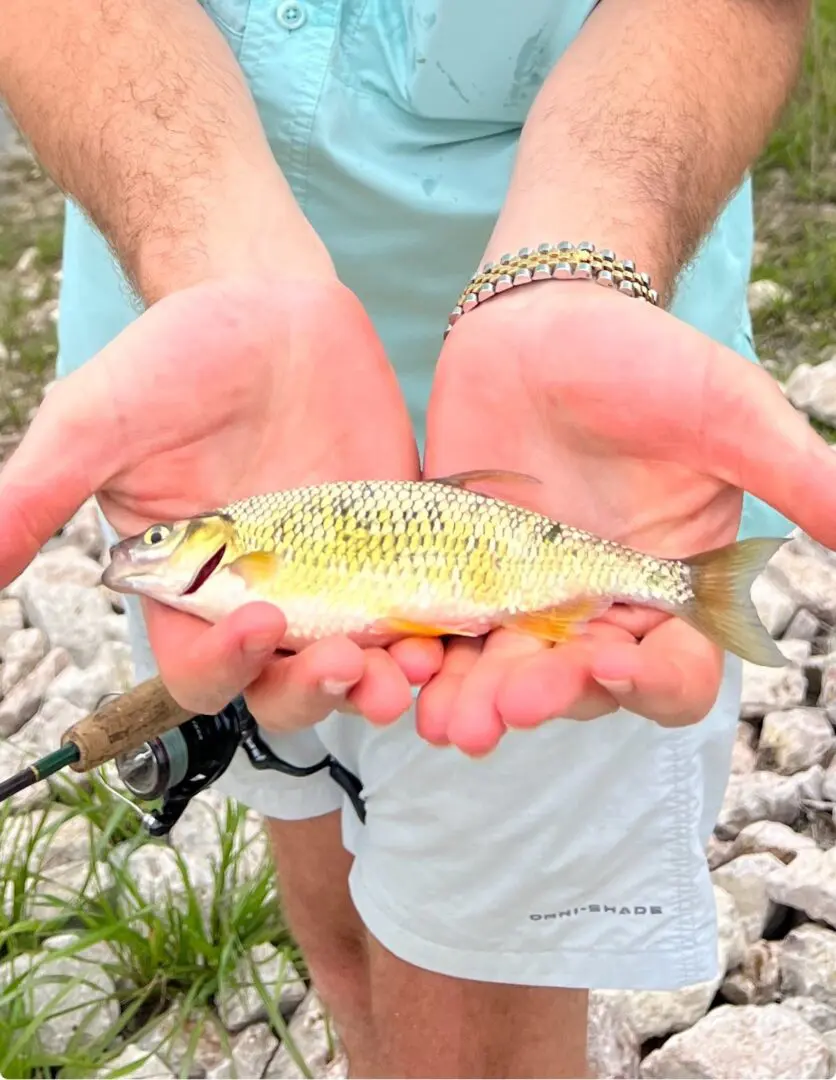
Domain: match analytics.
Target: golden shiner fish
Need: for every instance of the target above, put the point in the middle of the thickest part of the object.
(381, 560)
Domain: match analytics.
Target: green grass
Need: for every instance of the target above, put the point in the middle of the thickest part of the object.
(795, 190)
(178, 954)
(31, 222)
(805, 142)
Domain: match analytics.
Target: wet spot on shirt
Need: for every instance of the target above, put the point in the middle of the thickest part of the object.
(533, 64)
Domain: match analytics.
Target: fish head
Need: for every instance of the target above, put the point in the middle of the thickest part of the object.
(172, 560)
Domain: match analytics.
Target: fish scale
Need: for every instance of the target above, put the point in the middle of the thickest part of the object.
(383, 559)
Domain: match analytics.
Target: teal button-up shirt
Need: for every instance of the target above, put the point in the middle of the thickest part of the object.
(396, 123)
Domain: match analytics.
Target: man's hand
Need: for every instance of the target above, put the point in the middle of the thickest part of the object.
(643, 431)
(224, 390)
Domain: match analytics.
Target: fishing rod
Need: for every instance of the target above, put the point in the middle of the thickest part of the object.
(165, 752)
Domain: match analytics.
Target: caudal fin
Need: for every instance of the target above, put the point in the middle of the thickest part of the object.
(722, 608)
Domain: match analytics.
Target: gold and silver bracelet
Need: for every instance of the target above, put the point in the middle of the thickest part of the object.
(561, 262)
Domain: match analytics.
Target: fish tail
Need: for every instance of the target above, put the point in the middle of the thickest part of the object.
(722, 608)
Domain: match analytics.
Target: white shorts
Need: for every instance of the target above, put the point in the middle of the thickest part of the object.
(572, 856)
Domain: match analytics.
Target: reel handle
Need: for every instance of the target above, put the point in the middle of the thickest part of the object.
(131, 719)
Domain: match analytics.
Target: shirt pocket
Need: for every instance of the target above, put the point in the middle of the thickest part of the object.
(230, 16)
(470, 60)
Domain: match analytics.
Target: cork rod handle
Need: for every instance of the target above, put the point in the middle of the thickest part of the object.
(124, 723)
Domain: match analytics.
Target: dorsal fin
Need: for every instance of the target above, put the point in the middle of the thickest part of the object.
(475, 476)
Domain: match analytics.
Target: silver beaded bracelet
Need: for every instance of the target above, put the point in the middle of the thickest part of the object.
(560, 262)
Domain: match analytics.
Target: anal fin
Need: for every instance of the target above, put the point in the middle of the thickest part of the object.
(559, 623)
(415, 629)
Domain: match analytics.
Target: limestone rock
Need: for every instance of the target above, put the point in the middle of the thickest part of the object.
(612, 1045)
(110, 673)
(198, 834)
(808, 963)
(160, 881)
(252, 1051)
(774, 607)
(820, 1016)
(767, 689)
(764, 293)
(719, 852)
(66, 889)
(73, 615)
(756, 1042)
(75, 1000)
(43, 732)
(746, 880)
(240, 1003)
(770, 836)
(25, 699)
(46, 839)
(84, 531)
(744, 757)
(764, 795)
(192, 1045)
(62, 565)
(828, 789)
(143, 1066)
(795, 740)
(309, 1033)
(12, 760)
(803, 626)
(807, 884)
(812, 576)
(24, 651)
(757, 981)
(812, 388)
(11, 619)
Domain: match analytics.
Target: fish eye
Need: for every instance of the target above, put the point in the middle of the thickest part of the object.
(156, 534)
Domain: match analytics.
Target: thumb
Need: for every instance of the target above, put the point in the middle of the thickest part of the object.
(65, 457)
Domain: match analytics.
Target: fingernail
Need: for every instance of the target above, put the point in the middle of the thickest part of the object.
(335, 688)
(616, 686)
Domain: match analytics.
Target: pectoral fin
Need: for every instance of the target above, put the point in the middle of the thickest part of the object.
(476, 476)
(259, 569)
(559, 623)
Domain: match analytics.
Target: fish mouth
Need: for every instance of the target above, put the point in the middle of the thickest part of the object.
(122, 572)
(205, 571)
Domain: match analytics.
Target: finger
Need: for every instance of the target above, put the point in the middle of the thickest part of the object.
(383, 693)
(437, 699)
(635, 620)
(298, 691)
(475, 725)
(672, 676)
(557, 684)
(205, 666)
(418, 658)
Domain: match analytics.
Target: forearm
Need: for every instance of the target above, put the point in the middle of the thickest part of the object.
(142, 116)
(648, 124)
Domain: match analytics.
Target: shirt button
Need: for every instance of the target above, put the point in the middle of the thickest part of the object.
(291, 14)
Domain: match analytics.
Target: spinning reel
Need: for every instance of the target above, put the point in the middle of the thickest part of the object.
(164, 753)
